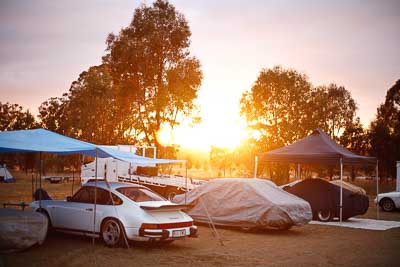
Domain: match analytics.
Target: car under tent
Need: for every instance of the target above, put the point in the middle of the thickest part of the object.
(318, 148)
(45, 141)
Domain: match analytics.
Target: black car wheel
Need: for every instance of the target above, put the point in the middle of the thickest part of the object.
(324, 216)
(112, 233)
(387, 204)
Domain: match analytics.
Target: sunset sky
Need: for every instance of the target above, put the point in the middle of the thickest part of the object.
(45, 45)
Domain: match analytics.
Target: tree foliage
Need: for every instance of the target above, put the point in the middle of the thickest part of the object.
(222, 159)
(355, 138)
(385, 132)
(151, 63)
(13, 117)
(51, 114)
(333, 109)
(277, 106)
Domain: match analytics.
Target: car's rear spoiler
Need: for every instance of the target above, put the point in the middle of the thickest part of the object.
(165, 207)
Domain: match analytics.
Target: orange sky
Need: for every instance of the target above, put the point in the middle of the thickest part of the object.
(46, 44)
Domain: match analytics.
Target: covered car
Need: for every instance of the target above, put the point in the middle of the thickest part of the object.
(245, 203)
(324, 198)
(351, 187)
(20, 230)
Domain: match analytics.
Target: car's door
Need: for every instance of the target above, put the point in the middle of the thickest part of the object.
(77, 213)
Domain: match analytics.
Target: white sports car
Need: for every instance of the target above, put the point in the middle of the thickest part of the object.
(389, 201)
(133, 211)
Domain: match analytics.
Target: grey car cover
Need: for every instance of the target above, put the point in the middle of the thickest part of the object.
(20, 230)
(245, 202)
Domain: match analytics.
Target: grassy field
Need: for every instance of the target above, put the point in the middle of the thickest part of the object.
(310, 245)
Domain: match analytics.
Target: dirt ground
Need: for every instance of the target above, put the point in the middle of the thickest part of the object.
(310, 245)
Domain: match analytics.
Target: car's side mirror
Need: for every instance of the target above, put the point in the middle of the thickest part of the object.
(69, 198)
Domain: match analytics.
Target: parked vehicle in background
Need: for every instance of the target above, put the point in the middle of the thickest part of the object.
(391, 201)
(122, 210)
(388, 201)
(115, 170)
(324, 198)
(147, 174)
(246, 203)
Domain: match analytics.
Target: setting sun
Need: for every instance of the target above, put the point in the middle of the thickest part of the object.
(204, 135)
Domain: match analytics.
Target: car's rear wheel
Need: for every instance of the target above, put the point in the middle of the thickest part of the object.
(112, 232)
(387, 204)
(324, 215)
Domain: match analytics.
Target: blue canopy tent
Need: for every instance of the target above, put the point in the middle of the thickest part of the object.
(41, 140)
(318, 147)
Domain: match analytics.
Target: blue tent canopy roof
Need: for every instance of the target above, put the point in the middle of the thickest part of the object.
(318, 147)
(41, 140)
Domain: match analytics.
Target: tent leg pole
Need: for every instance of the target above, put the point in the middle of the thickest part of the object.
(40, 179)
(377, 189)
(95, 196)
(298, 172)
(186, 182)
(73, 178)
(255, 166)
(341, 190)
(33, 190)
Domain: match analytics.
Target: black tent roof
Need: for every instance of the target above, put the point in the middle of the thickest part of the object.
(318, 147)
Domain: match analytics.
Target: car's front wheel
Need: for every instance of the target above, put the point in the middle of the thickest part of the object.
(112, 232)
(387, 204)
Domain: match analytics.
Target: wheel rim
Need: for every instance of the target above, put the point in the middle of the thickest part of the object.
(324, 216)
(111, 233)
(387, 205)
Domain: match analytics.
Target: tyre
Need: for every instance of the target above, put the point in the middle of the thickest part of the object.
(112, 232)
(324, 216)
(387, 204)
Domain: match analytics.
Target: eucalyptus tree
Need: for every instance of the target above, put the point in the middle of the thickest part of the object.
(151, 64)
(278, 106)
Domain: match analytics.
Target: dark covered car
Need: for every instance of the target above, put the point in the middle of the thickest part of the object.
(324, 198)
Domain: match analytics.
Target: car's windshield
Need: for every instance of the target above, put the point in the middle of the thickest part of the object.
(139, 194)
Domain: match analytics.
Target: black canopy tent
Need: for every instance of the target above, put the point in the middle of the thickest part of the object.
(318, 147)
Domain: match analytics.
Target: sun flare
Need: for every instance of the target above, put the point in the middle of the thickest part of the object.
(202, 136)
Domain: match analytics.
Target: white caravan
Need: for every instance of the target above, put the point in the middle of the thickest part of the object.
(115, 170)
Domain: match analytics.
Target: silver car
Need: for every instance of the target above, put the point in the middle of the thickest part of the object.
(123, 212)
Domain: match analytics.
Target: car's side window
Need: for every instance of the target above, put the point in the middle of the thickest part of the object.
(103, 198)
(83, 195)
(86, 195)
